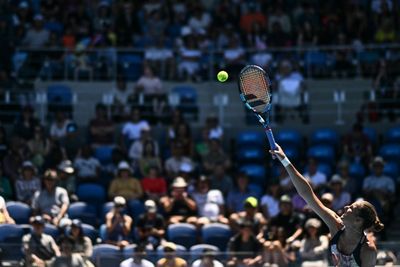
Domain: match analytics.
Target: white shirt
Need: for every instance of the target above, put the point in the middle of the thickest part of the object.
(2, 203)
(197, 263)
(132, 129)
(121, 96)
(231, 54)
(272, 205)
(158, 54)
(59, 132)
(383, 183)
(86, 167)
(317, 179)
(130, 263)
(136, 149)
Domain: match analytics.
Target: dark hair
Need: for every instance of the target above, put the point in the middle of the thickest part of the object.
(371, 220)
(153, 149)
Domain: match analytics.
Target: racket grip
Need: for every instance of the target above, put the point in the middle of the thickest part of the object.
(270, 137)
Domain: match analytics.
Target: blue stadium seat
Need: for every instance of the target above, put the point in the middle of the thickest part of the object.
(316, 59)
(216, 234)
(371, 133)
(103, 232)
(251, 139)
(106, 255)
(11, 243)
(91, 193)
(288, 138)
(132, 65)
(184, 234)
(393, 135)
(87, 213)
(52, 230)
(136, 207)
(391, 169)
(19, 211)
(197, 250)
(357, 170)
(251, 155)
(325, 136)
(256, 173)
(187, 101)
(104, 154)
(390, 152)
(322, 153)
(256, 190)
(324, 168)
(127, 252)
(59, 94)
(368, 57)
(292, 152)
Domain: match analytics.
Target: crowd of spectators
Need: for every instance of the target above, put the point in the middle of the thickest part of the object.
(162, 28)
(179, 178)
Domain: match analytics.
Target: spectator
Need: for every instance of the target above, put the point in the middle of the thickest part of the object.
(341, 197)
(176, 119)
(150, 226)
(280, 17)
(160, 58)
(132, 130)
(357, 146)
(55, 156)
(138, 259)
(39, 146)
(66, 173)
(155, 96)
(288, 219)
(3, 142)
(37, 36)
(58, 128)
(285, 182)
(127, 23)
(67, 256)
(136, 150)
(234, 56)
(270, 200)
(13, 160)
(200, 19)
(215, 156)
(189, 66)
(207, 259)
(351, 184)
(317, 178)
(238, 195)
(179, 206)
(6, 191)
(27, 184)
(277, 252)
(39, 248)
(154, 185)
(101, 128)
(214, 127)
(174, 162)
(82, 62)
(72, 142)
(87, 167)
(170, 258)
(120, 95)
(4, 215)
(250, 17)
(26, 123)
(244, 248)
(184, 136)
(124, 184)
(378, 186)
(82, 244)
(252, 215)
(118, 224)
(51, 201)
(314, 246)
(149, 158)
(210, 203)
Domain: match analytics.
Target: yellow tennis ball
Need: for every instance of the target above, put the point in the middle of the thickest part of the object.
(222, 76)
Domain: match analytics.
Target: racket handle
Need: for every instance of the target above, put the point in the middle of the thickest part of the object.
(270, 137)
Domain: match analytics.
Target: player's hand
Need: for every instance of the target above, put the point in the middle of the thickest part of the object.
(278, 152)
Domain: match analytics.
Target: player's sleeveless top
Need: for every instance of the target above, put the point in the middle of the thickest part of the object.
(342, 260)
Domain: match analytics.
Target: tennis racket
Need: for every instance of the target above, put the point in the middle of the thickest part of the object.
(255, 92)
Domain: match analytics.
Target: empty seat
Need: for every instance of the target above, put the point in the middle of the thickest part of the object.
(19, 211)
(136, 207)
(390, 152)
(357, 170)
(251, 155)
(87, 213)
(184, 234)
(393, 135)
(256, 173)
(322, 153)
(104, 154)
(106, 255)
(187, 101)
(91, 193)
(290, 138)
(391, 169)
(132, 65)
(371, 134)
(216, 234)
(251, 139)
(10, 244)
(325, 136)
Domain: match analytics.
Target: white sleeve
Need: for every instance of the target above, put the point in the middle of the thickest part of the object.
(2, 203)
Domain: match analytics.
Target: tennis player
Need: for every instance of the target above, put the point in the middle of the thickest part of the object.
(349, 244)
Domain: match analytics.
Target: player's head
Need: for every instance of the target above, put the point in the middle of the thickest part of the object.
(362, 214)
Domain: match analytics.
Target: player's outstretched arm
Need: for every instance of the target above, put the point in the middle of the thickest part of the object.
(304, 189)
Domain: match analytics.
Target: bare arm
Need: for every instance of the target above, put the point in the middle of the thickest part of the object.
(304, 189)
(368, 255)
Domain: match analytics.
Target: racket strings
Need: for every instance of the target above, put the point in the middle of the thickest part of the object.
(255, 87)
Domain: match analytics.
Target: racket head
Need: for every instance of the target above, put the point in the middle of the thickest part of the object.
(255, 88)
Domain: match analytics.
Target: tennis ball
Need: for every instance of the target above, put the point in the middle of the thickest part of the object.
(222, 76)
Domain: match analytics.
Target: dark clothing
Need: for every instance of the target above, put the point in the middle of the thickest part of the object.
(146, 224)
(243, 250)
(289, 222)
(340, 259)
(181, 208)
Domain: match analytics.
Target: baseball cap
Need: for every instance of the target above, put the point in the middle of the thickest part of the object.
(66, 166)
(251, 202)
(336, 179)
(179, 182)
(313, 223)
(38, 220)
(169, 245)
(28, 164)
(378, 160)
(123, 165)
(327, 196)
(119, 201)
(76, 223)
(150, 205)
(285, 199)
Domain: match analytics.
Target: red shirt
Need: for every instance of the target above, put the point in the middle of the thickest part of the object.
(154, 185)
